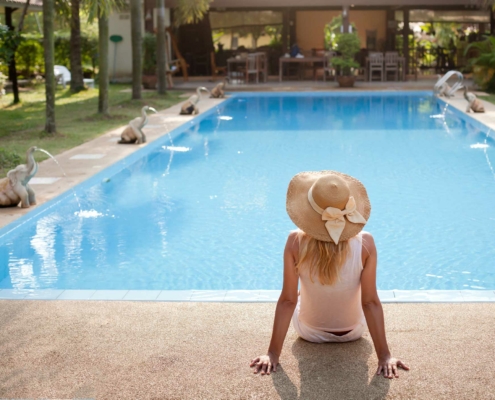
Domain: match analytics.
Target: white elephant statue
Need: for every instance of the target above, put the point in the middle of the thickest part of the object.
(473, 103)
(133, 133)
(189, 107)
(218, 91)
(15, 187)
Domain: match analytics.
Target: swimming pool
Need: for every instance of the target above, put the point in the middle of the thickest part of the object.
(204, 207)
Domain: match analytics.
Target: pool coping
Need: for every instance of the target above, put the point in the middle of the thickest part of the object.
(238, 296)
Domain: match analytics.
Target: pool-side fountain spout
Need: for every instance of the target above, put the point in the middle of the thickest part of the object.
(133, 133)
(15, 187)
(441, 87)
(189, 107)
(473, 103)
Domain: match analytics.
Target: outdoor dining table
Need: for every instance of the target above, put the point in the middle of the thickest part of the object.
(285, 60)
(401, 66)
(235, 60)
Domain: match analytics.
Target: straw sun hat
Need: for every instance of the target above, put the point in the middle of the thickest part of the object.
(328, 205)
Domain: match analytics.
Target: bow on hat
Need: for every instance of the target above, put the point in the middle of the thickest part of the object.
(335, 221)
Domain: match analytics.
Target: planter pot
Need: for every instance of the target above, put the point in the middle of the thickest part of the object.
(346, 80)
(150, 81)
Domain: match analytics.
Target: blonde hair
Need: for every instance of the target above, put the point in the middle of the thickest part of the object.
(324, 259)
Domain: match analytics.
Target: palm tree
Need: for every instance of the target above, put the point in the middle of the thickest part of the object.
(137, 47)
(160, 48)
(77, 79)
(103, 83)
(15, 36)
(49, 53)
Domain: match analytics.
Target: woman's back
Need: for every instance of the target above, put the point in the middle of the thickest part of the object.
(337, 307)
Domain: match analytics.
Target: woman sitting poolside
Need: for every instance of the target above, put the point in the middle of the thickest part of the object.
(336, 264)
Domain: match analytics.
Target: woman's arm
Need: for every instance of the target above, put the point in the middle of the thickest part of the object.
(285, 308)
(373, 311)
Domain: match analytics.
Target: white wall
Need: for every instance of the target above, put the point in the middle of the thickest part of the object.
(120, 24)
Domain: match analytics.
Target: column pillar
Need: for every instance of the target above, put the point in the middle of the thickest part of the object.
(292, 26)
(285, 30)
(390, 31)
(405, 40)
(345, 19)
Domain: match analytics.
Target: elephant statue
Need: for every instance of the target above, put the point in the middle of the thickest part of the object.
(15, 187)
(218, 91)
(473, 103)
(133, 133)
(189, 107)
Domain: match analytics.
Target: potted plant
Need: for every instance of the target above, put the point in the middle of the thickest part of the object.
(347, 45)
(150, 78)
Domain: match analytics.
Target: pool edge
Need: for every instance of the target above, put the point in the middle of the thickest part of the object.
(237, 296)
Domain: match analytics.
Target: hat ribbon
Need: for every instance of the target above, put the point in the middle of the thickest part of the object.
(335, 221)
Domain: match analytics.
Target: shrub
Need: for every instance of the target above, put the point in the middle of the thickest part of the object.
(484, 64)
(347, 44)
(149, 54)
(29, 56)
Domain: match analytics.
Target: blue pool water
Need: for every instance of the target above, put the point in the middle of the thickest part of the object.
(205, 207)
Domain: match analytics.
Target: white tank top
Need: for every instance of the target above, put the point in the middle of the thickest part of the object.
(337, 307)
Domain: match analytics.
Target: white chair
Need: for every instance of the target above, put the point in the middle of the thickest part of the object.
(63, 76)
(375, 60)
(392, 64)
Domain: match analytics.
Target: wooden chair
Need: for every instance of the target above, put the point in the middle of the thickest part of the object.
(252, 67)
(216, 70)
(262, 64)
(392, 64)
(375, 64)
(178, 64)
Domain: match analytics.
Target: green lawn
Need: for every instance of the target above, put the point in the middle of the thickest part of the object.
(21, 126)
(490, 98)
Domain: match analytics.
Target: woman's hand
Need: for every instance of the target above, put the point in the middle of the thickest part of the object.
(389, 366)
(265, 364)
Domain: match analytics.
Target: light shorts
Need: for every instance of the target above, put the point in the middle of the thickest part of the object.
(316, 336)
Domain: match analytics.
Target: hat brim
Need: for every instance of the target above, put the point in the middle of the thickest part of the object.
(308, 220)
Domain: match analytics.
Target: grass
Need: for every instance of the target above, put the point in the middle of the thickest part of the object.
(490, 98)
(77, 120)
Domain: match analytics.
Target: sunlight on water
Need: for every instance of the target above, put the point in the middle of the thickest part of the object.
(88, 214)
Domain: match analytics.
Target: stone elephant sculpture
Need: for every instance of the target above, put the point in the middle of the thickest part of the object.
(15, 187)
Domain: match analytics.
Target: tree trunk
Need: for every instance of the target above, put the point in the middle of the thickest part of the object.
(77, 82)
(137, 47)
(160, 48)
(12, 67)
(49, 53)
(103, 83)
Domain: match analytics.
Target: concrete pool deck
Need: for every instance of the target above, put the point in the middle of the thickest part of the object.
(130, 350)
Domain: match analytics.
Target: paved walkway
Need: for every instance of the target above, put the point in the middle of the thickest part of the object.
(127, 350)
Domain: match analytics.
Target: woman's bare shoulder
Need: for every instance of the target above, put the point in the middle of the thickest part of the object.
(368, 244)
(293, 241)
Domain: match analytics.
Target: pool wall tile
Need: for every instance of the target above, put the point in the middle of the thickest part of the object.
(478, 295)
(386, 296)
(411, 296)
(109, 295)
(76, 294)
(142, 295)
(44, 294)
(446, 296)
(246, 296)
(175, 295)
(268, 295)
(13, 294)
(208, 295)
